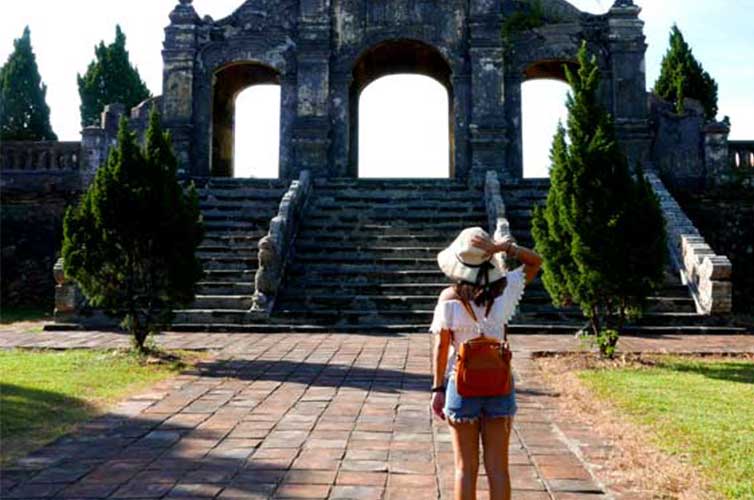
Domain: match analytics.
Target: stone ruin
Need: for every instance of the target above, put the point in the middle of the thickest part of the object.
(323, 53)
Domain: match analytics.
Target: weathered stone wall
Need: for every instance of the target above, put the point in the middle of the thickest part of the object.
(725, 217)
(37, 181)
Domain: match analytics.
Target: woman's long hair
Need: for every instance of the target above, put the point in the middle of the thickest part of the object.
(480, 294)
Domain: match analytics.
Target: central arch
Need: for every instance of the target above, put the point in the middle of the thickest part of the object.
(393, 57)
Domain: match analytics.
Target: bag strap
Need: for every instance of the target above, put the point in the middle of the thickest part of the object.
(471, 312)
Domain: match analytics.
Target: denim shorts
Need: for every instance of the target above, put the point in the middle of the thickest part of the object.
(461, 409)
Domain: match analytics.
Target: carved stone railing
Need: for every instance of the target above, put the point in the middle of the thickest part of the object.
(497, 221)
(47, 156)
(276, 248)
(707, 275)
(741, 154)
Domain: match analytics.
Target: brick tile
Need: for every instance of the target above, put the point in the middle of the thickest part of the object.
(302, 491)
(360, 478)
(304, 476)
(357, 493)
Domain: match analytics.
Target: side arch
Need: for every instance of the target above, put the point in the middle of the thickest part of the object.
(226, 69)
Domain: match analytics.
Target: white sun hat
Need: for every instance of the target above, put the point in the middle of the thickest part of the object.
(462, 261)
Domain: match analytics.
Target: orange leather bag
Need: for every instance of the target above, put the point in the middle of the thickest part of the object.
(483, 367)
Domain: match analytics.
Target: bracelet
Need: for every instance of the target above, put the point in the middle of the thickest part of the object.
(515, 252)
(439, 388)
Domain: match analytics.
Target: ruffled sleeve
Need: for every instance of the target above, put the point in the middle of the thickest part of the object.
(443, 318)
(514, 290)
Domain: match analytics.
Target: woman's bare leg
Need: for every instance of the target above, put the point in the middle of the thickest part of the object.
(466, 449)
(496, 434)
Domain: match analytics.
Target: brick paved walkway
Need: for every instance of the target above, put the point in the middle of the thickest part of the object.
(302, 416)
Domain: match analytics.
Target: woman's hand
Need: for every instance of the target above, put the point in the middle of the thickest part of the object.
(438, 403)
(491, 247)
(485, 244)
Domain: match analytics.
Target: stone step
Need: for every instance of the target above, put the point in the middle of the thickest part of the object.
(398, 301)
(321, 292)
(229, 226)
(649, 318)
(345, 253)
(227, 254)
(222, 302)
(396, 196)
(261, 217)
(305, 287)
(229, 275)
(231, 264)
(234, 182)
(241, 193)
(266, 205)
(233, 239)
(299, 273)
(441, 230)
(439, 240)
(234, 247)
(319, 263)
(327, 204)
(457, 219)
(225, 288)
(381, 184)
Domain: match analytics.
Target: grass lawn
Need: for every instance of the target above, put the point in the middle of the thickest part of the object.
(698, 408)
(44, 394)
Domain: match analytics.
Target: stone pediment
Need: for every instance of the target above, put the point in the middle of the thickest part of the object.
(256, 15)
(555, 11)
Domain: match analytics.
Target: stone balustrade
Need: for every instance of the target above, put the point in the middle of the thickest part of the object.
(276, 248)
(707, 275)
(27, 156)
(498, 223)
(741, 154)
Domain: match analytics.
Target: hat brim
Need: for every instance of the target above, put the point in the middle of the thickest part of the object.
(457, 271)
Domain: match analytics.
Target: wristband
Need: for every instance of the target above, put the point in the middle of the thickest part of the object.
(439, 388)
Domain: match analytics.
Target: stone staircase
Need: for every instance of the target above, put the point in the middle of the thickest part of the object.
(365, 257)
(671, 310)
(237, 215)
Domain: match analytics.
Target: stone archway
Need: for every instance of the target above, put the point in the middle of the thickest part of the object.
(543, 98)
(228, 82)
(391, 58)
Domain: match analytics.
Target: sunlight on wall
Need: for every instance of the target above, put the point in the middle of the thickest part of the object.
(543, 105)
(403, 128)
(257, 149)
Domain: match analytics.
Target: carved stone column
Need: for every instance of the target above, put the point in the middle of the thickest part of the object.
(488, 128)
(628, 96)
(311, 129)
(179, 56)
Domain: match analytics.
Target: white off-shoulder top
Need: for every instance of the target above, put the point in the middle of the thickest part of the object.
(450, 315)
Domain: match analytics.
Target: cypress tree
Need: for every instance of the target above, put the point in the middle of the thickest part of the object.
(600, 233)
(131, 242)
(24, 114)
(682, 75)
(109, 79)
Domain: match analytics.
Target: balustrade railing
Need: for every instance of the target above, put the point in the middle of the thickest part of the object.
(741, 154)
(47, 156)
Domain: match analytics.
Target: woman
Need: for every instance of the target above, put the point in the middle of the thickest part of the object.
(474, 263)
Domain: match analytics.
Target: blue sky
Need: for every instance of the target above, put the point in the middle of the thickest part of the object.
(64, 34)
